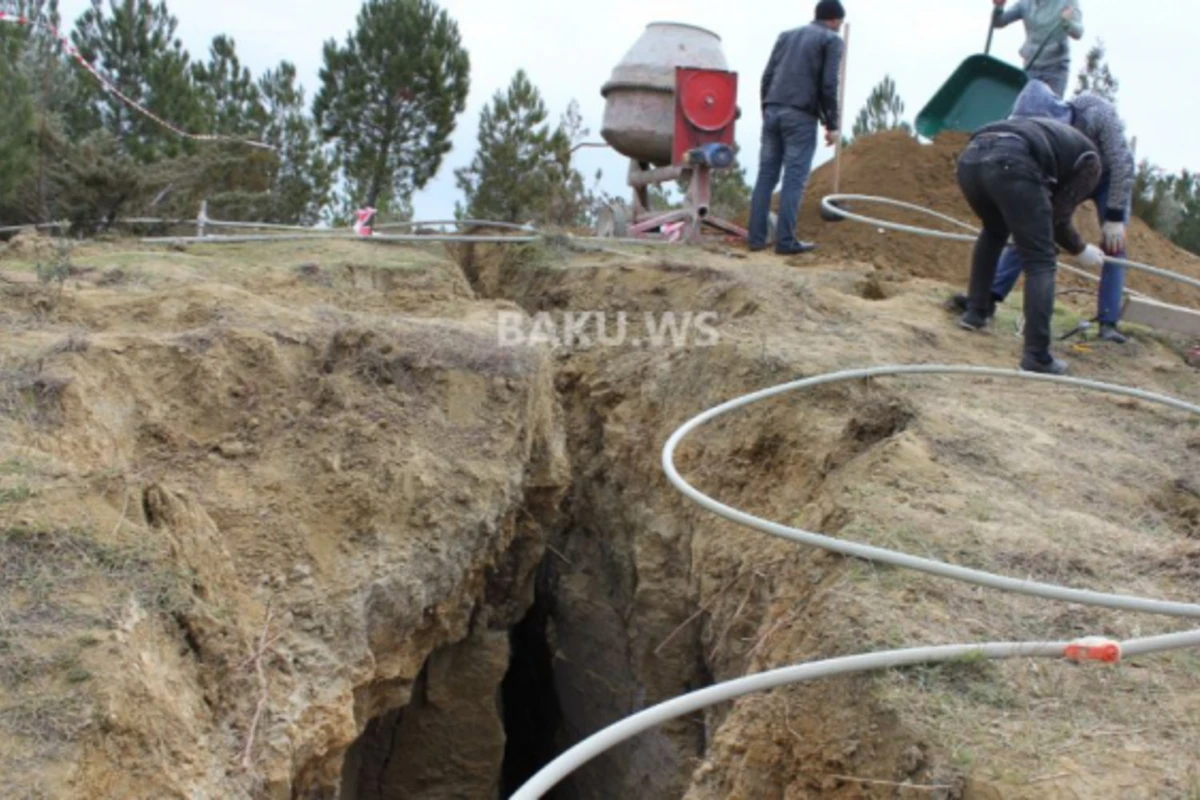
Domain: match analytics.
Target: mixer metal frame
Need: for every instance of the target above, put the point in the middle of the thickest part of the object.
(705, 102)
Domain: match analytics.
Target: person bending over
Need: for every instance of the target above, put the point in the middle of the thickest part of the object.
(1025, 177)
(1097, 119)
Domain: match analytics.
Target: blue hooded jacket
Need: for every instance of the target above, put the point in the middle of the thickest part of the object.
(1038, 100)
(1097, 119)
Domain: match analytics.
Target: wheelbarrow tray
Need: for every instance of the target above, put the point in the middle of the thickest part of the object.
(982, 90)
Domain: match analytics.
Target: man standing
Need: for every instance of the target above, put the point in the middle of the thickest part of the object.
(799, 89)
(1097, 119)
(1025, 177)
(1048, 23)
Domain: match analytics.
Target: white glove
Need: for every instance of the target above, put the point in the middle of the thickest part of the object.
(1114, 237)
(1092, 257)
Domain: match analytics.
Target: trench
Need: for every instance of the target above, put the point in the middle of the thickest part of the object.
(585, 653)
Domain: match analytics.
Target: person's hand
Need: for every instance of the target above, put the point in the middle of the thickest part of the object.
(1114, 237)
(831, 137)
(998, 3)
(1092, 257)
(1068, 14)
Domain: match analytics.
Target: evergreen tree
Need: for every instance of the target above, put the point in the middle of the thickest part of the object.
(231, 99)
(37, 85)
(135, 47)
(884, 111)
(389, 97)
(303, 176)
(730, 191)
(1096, 76)
(522, 168)
(18, 126)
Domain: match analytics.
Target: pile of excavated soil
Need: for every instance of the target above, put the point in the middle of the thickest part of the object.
(897, 166)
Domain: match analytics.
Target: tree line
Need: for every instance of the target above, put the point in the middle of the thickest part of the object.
(376, 131)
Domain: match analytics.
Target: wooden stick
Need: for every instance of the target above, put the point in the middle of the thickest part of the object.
(837, 151)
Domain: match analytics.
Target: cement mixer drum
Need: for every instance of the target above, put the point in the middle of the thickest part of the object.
(639, 115)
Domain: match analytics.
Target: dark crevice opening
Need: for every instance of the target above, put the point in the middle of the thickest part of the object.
(532, 716)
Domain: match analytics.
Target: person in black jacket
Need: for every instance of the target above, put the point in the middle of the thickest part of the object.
(1025, 177)
(799, 89)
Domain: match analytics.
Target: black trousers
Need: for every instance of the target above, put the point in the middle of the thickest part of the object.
(1011, 196)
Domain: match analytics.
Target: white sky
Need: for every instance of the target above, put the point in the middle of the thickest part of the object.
(570, 47)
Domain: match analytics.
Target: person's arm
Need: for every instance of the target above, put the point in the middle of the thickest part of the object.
(831, 115)
(772, 65)
(1075, 24)
(1007, 16)
(1084, 177)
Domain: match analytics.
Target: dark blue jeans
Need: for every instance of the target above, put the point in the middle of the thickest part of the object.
(1112, 279)
(789, 142)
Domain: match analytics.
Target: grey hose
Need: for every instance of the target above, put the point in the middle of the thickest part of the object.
(594, 745)
(828, 203)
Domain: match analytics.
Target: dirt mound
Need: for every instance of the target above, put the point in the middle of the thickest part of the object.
(897, 166)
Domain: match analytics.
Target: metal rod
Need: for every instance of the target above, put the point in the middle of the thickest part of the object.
(642, 178)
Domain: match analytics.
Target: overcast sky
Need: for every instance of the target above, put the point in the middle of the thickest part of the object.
(569, 49)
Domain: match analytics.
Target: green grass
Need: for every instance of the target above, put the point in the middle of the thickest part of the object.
(16, 494)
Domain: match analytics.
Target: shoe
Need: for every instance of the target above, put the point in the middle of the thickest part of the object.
(957, 303)
(1109, 333)
(796, 249)
(974, 321)
(1055, 366)
(757, 248)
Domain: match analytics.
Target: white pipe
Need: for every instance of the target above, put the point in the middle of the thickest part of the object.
(928, 566)
(828, 204)
(597, 743)
(377, 237)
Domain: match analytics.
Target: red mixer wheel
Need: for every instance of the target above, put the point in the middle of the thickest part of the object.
(709, 100)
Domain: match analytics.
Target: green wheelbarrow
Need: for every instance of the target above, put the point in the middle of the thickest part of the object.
(982, 90)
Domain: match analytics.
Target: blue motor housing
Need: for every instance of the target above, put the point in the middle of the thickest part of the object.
(714, 154)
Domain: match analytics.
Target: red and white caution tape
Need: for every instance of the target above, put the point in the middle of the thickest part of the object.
(112, 89)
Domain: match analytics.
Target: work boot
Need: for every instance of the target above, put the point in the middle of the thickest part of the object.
(1044, 364)
(974, 321)
(957, 303)
(796, 249)
(1109, 333)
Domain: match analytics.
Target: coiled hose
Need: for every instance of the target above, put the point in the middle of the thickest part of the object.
(596, 744)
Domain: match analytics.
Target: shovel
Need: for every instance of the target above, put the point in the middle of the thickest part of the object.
(826, 214)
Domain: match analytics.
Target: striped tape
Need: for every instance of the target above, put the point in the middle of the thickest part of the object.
(112, 89)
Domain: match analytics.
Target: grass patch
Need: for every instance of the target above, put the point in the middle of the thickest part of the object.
(53, 582)
(16, 494)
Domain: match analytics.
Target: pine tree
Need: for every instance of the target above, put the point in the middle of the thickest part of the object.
(231, 98)
(37, 86)
(1096, 76)
(389, 98)
(522, 164)
(303, 177)
(18, 126)
(884, 111)
(134, 45)
(730, 191)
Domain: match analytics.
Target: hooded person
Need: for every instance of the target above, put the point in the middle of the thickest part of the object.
(1048, 25)
(1098, 120)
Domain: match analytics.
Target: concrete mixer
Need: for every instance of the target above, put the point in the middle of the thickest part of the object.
(671, 105)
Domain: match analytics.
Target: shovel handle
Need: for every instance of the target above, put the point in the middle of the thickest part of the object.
(991, 30)
(837, 152)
